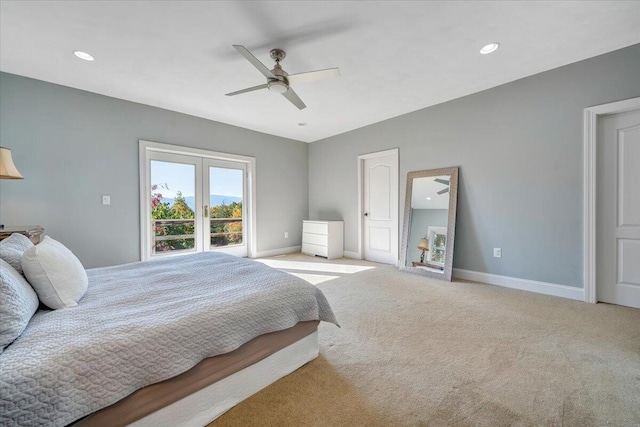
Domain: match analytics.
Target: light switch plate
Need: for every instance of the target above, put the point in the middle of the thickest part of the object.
(106, 200)
(497, 252)
(286, 234)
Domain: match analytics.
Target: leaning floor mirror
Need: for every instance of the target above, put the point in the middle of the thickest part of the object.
(430, 222)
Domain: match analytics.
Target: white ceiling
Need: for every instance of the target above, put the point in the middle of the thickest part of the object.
(394, 57)
(424, 194)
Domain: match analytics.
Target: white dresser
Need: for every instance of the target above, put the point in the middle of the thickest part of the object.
(324, 238)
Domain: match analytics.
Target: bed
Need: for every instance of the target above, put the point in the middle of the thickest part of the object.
(177, 340)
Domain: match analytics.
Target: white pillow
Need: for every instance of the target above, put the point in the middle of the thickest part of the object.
(12, 248)
(55, 273)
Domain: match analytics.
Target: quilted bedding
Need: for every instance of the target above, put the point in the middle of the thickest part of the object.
(142, 323)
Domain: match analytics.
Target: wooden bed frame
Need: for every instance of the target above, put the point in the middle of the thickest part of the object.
(204, 406)
(215, 385)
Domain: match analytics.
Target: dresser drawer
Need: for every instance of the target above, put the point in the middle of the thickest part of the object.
(315, 239)
(315, 227)
(312, 249)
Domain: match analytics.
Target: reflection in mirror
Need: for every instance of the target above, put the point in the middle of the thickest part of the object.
(429, 223)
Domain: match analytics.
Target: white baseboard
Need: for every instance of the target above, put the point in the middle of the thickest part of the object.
(279, 251)
(522, 284)
(352, 255)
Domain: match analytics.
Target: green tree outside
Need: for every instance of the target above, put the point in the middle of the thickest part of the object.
(229, 233)
(179, 210)
(233, 210)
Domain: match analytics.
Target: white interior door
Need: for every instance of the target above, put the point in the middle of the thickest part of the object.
(224, 193)
(618, 209)
(380, 208)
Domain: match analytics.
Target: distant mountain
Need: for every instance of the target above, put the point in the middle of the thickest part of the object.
(214, 200)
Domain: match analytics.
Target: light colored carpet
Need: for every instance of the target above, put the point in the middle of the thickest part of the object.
(413, 351)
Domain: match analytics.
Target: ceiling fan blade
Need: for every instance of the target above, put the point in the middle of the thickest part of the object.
(249, 89)
(446, 190)
(259, 65)
(442, 181)
(313, 76)
(294, 99)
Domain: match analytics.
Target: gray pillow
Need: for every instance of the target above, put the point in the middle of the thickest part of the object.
(12, 248)
(18, 302)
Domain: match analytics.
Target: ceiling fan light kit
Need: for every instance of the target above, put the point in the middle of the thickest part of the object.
(277, 86)
(278, 80)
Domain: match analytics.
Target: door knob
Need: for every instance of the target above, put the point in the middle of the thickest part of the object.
(366, 214)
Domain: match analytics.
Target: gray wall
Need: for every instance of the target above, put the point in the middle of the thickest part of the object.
(519, 148)
(73, 146)
(421, 219)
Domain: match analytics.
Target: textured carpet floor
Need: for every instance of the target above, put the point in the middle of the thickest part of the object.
(413, 351)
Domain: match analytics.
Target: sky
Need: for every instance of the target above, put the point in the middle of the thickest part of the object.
(181, 177)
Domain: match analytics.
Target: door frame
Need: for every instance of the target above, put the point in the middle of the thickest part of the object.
(146, 147)
(590, 142)
(361, 159)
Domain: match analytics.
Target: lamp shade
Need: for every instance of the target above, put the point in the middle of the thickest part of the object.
(7, 169)
(424, 244)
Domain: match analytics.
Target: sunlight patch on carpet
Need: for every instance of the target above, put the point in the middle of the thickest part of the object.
(314, 266)
(314, 279)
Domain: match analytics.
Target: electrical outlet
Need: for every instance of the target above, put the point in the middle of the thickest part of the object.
(497, 252)
(286, 234)
(106, 200)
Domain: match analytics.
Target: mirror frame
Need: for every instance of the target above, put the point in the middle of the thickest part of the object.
(451, 223)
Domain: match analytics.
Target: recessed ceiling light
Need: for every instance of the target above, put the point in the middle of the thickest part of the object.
(83, 55)
(302, 124)
(490, 48)
(428, 198)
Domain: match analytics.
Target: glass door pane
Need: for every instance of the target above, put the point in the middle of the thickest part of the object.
(173, 207)
(226, 191)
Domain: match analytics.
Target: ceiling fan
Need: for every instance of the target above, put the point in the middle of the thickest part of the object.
(445, 182)
(278, 80)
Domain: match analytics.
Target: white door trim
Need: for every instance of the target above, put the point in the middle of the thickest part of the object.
(589, 187)
(361, 159)
(149, 146)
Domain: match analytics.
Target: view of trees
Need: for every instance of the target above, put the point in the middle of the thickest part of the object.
(232, 230)
(167, 221)
(175, 225)
(439, 244)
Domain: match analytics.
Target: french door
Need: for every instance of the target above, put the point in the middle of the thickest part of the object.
(224, 211)
(194, 203)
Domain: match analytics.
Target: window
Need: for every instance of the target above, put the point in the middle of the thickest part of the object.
(195, 200)
(437, 237)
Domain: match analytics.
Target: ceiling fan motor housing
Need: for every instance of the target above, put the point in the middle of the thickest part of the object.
(280, 83)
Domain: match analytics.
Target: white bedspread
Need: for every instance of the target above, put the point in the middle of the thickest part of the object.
(142, 323)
